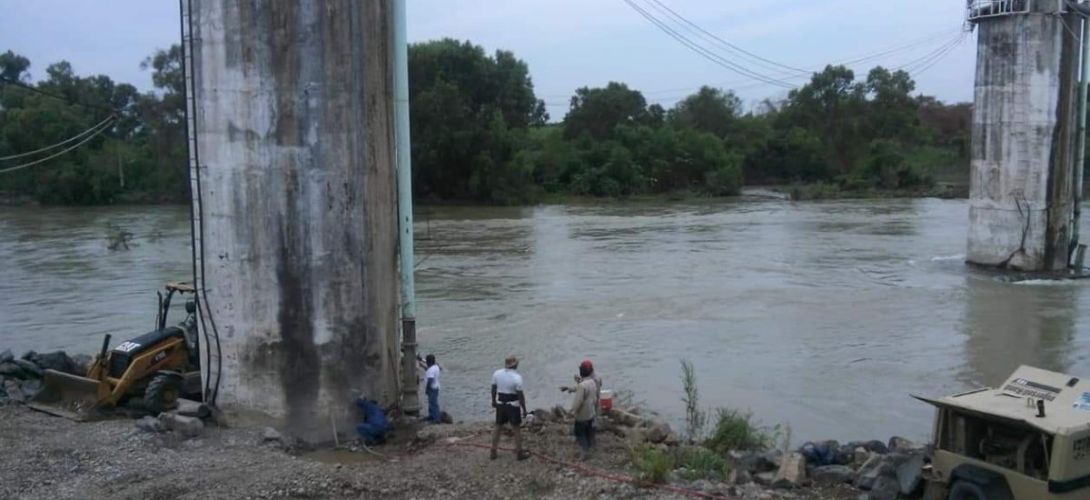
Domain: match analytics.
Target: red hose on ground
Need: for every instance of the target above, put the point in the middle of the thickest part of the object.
(605, 475)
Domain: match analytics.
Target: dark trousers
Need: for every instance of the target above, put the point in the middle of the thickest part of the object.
(433, 405)
(584, 434)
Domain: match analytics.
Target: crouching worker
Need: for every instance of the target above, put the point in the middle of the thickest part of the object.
(375, 424)
(584, 407)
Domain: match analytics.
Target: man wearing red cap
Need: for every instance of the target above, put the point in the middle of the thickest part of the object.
(585, 408)
(597, 384)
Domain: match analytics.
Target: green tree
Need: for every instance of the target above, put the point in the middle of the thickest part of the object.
(832, 107)
(13, 66)
(708, 110)
(598, 111)
(469, 112)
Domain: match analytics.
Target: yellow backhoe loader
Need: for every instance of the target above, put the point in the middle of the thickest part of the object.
(149, 372)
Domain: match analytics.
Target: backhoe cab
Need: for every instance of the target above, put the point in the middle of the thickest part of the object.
(1028, 440)
(149, 372)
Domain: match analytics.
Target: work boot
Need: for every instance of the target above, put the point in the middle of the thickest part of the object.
(522, 455)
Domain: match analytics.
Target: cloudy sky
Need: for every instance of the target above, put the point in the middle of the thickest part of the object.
(572, 43)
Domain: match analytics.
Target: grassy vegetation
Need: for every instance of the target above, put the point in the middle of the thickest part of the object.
(654, 465)
(701, 463)
(707, 457)
(735, 430)
(695, 417)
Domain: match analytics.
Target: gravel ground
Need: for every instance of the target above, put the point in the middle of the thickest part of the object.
(52, 458)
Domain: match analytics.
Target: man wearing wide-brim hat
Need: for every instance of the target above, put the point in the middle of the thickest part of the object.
(510, 405)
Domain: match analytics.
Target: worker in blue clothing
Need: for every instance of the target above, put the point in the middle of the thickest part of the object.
(375, 423)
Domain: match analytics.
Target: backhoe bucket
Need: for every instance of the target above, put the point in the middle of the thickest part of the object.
(68, 396)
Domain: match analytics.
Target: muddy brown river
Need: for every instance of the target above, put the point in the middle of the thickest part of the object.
(824, 315)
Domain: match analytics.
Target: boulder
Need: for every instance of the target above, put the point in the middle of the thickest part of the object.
(845, 455)
(819, 454)
(58, 360)
(81, 363)
(186, 426)
(445, 417)
(195, 409)
(875, 467)
(149, 424)
(30, 388)
(910, 474)
(860, 456)
(6, 356)
(792, 472)
(542, 415)
(271, 435)
(10, 369)
(755, 462)
(739, 476)
(764, 478)
(773, 457)
(658, 432)
(876, 447)
(11, 386)
(624, 418)
(28, 369)
(885, 488)
(832, 474)
(897, 443)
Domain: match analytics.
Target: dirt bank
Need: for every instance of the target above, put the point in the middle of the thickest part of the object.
(49, 457)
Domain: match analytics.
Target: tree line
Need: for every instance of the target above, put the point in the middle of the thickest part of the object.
(480, 134)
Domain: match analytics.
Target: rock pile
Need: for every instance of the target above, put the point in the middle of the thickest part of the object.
(21, 378)
(881, 471)
(621, 423)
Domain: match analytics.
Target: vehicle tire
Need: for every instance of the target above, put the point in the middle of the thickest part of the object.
(162, 393)
(965, 490)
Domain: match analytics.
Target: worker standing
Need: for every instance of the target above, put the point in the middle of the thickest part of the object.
(510, 404)
(593, 376)
(431, 388)
(584, 408)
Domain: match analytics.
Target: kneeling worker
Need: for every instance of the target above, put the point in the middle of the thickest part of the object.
(510, 404)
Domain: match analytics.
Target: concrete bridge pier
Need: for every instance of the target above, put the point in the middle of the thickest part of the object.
(1023, 139)
(294, 130)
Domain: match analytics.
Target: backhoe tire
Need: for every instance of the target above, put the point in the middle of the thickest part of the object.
(162, 393)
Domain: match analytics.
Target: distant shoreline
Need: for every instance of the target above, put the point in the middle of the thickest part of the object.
(791, 192)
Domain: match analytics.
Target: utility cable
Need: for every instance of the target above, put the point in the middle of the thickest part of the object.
(927, 60)
(934, 61)
(679, 18)
(854, 61)
(59, 144)
(100, 130)
(704, 52)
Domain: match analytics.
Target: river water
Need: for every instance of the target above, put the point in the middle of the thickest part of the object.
(823, 315)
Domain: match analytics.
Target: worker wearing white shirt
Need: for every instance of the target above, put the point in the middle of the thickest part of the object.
(510, 404)
(431, 379)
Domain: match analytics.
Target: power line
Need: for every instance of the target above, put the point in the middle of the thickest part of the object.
(933, 56)
(100, 130)
(59, 144)
(704, 52)
(695, 28)
(855, 60)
